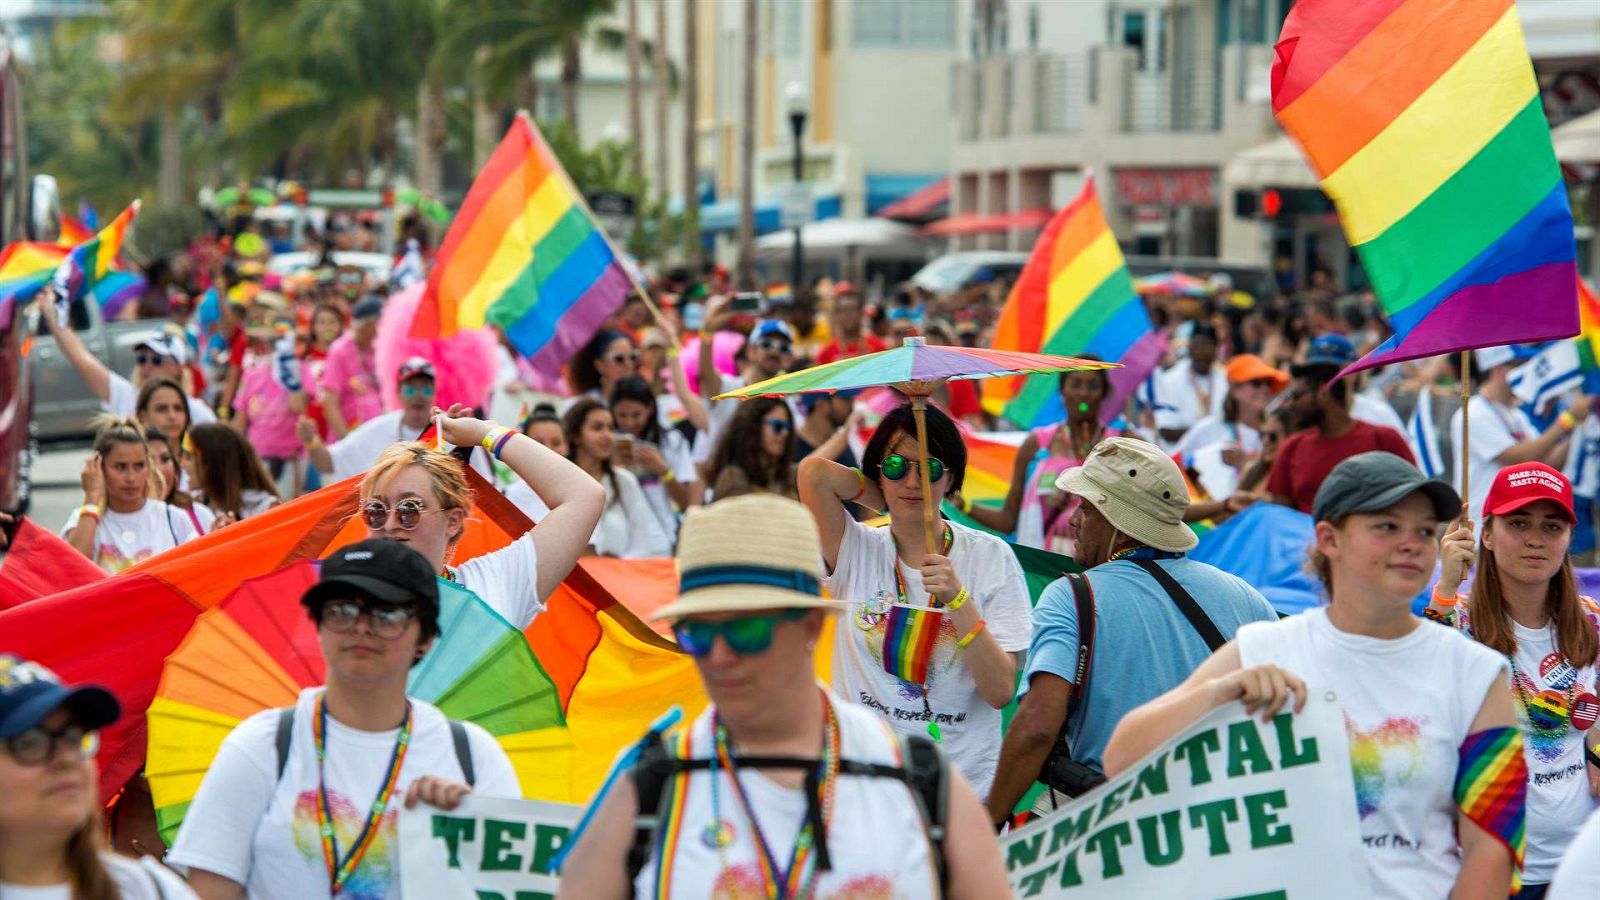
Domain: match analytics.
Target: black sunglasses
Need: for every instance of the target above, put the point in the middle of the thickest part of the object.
(773, 345)
(149, 359)
(631, 358)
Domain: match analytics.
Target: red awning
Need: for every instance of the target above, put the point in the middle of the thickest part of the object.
(919, 204)
(1037, 217)
(976, 223)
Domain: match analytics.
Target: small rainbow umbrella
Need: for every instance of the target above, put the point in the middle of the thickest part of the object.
(1176, 284)
(916, 369)
(258, 650)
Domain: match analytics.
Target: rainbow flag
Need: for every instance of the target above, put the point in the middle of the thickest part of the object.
(1588, 339)
(1423, 120)
(25, 268)
(908, 639)
(524, 254)
(1074, 297)
(116, 290)
(73, 232)
(89, 262)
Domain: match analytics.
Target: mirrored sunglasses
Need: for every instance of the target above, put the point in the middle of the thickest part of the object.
(746, 635)
(417, 389)
(408, 513)
(778, 426)
(895, 467)
(387, 622)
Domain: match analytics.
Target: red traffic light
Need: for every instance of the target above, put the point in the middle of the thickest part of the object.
(1271, 203)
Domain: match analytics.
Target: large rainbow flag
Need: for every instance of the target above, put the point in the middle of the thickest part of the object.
(613, 675)
(1074, 296)
(1423, 120)
(25, 268)
(89, 262)
(73, 232)
(524, 254)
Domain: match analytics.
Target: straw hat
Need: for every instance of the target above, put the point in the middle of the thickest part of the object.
(747, 554)
(1138, 489)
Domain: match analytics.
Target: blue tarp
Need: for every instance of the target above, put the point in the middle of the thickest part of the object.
(1266, 546)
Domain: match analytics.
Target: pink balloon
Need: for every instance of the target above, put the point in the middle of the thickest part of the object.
(465, 363)
(724, 347)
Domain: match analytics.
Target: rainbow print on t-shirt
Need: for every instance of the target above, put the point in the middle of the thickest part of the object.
(1388, 754)
(379, 871)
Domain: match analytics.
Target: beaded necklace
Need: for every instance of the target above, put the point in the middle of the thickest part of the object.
(339, 871)
(1536, 715)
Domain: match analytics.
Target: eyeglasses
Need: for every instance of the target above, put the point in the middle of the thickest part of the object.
(416, 390)
(746, 635)
(778, 426)
(895, 467)
(630, 358)
(773, 345)
(387, 622)
(36, 746)
(408, 513)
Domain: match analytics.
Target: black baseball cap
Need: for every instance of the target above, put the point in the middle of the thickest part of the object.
(29, 693)
(387, 571)
(1375, 480)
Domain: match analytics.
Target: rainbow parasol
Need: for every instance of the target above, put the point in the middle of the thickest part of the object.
(258, 650)
(1176, 284)
(916, 369)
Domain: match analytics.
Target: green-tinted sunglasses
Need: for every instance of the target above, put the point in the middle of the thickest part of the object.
(746, 635)
(895, 467)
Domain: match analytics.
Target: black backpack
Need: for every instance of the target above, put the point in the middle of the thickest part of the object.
(458, 736)
(926, 773)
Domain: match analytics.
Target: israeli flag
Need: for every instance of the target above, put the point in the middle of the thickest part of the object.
(1583, 460)
(285, 364)
(1548, 375)
(1423, 436)
(411, 268)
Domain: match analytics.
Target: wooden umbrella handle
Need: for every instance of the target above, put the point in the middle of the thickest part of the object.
(930, 514)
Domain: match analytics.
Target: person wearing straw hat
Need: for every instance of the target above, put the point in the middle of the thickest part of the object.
(1153, 617)
(829, 812)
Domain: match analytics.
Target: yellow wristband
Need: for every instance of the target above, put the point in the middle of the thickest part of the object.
(1567, 420)
(669, 477)
(89, 509)
(969, 636)
(862, 488)
(960, 600)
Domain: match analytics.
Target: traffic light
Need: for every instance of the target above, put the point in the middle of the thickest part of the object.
(1274, 202)
(1271, 203)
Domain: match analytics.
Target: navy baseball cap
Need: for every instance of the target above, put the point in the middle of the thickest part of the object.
(29, 693)
(1326, 351)
(368, 307)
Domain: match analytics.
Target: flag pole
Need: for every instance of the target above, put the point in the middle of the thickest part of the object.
(1466, 455)
(572, 188)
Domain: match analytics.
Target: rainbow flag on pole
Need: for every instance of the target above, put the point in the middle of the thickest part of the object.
(524, 254)
(1074, 296)
(89, 262)
(1424, 122)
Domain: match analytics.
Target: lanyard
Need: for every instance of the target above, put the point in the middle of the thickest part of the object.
(899, 579)
(339, 871)
(793, 882)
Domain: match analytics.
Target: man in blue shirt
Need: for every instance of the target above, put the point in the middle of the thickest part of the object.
(1130, 527)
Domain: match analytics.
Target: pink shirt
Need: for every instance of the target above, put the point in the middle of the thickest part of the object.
(271, 427)
(353, 377)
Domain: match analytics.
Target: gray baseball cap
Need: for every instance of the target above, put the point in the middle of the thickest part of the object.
(1368, 482)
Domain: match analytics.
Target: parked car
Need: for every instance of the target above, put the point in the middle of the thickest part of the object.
(17, 443)
(954, 271)
(63, 403)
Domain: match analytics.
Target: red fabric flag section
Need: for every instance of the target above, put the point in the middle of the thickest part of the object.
(38, 563)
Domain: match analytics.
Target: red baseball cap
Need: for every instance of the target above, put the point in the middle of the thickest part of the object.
(1519, 485)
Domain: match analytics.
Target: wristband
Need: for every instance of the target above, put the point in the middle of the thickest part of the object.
(668, 477)
(672, 353)
(1567, 420)
(961, 599)
(968, 637)
(489, 437)
(1444, 599)
(501, 444)
(862, 489)
(89, 509)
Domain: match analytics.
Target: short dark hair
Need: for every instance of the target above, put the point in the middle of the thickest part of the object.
(1103, 374)
(944, 441)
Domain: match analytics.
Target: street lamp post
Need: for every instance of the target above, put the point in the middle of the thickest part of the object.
(797, 103)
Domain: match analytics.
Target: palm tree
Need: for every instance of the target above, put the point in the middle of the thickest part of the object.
(635, 100)
(658, 78)
(747, 151)
(691, 131)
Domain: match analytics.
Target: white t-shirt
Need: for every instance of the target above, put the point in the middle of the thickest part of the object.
(523, 497)
(1405, 729)
(1179, 391)
(1578, 876)
(1373, 408)
(876, 842)
(628, 528)
(252, 502)
(141, 879)
(507, 580)
(1495, 429)
(122, 539)
(357, 451)
(122, 399)
(252, 827)
(1214, 430)
(864, 578)
(679, 456)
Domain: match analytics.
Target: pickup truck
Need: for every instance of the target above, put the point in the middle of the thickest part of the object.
(63, 403)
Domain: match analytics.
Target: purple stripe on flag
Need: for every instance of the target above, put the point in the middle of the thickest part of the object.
(1536, 305)
(581, 321)
(1137, 364)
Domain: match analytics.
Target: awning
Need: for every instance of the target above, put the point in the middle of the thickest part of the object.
(1578, 141)
(977, 223)
(1274, 164)
(724, 215)
(921, 204)
(1036, 217)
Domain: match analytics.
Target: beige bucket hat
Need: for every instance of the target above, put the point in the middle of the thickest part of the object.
(1138, 489)
(752, 553)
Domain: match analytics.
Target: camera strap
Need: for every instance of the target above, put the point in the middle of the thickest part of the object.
(1083, 598)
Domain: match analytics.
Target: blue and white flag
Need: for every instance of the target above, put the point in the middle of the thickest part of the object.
(286, 363)
(1554, 371)
(1583, 459)
(1423, 435)
(411, 268)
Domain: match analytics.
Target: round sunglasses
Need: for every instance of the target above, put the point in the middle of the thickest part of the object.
(746, 635)
(416, 390)
(388, 622)
(408, 513)
(894, 467)
(36, 746)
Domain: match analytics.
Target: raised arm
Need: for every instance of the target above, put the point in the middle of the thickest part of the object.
(90, 368)
(1004, 519)
(716, 316)
(316, 450)
(825, 487)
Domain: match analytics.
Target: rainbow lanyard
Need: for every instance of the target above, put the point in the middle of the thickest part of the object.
(340, 872)
(909, 634)
(795, 882)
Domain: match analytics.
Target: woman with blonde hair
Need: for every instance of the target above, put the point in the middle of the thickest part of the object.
(1525, 606)
(122, 521)
(52, 844)
(421, 497)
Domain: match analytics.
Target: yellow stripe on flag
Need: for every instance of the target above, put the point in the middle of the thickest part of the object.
(1079, 278)
(515, 251)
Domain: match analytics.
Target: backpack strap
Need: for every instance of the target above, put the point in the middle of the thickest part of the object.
(458, 736)
(655, 765)
(927, 773)
(1186, 604)
(285, 735)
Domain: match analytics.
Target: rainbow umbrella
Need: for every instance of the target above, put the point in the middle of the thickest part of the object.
(1176, 284)
(258, 650)
(917, 369)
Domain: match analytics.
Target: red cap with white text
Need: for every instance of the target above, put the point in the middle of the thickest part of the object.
(1519, 485)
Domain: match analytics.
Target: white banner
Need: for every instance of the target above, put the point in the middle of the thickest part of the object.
(486, 848)
(1230, 808)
